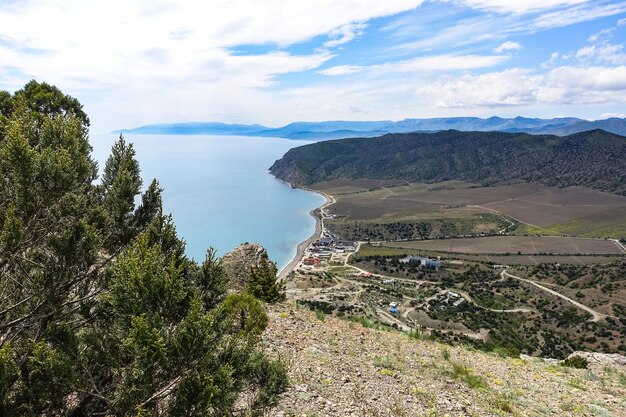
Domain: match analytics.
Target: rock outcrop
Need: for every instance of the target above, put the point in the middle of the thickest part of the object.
(602, 359)
(237, 263)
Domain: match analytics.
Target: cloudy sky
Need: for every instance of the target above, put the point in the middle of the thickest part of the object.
(275, 61)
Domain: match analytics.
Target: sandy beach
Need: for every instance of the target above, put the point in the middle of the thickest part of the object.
(302, 246)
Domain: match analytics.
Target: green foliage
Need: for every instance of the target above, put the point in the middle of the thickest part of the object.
(212, 280)
(503, 403)
(244, 314)
(594, 159)
(121, 182)
(101, 312)
(8, 371)
(45, 100)
(576, 361)
(383, 362)
(503, 352)
(416, 334)
(263, 284)
(465, 374)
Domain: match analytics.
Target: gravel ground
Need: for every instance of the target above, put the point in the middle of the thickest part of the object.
(340, 368)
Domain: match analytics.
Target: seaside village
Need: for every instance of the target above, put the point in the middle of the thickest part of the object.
(323, 249)
(325, 281)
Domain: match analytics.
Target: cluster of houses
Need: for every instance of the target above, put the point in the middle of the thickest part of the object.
(323, 249)
(449, 298)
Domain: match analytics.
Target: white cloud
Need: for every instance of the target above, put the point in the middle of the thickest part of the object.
(621, 22)
(474, 30)
(511, 87)
(603, 33)
(611, 115)
(607, 53)
(554, 56)
(342, 70)
(586, 52)
(518, 6)
(441, 63)
(593, 80)
(518, 87)
(344, 34)
(145, 61)
(508, 46)
(421, 65)
(124, 58)
(576, 14)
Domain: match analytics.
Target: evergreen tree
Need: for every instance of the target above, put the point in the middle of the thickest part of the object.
(101, 312)
(263, 283)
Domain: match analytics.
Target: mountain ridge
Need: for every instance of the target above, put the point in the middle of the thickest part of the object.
(596, 159)
(338, 129)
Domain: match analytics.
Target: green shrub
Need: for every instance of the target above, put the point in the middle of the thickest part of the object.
(462, 372)
(576, 361)
(321, 316)
(445, 353)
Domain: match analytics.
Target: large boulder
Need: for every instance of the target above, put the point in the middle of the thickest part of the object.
(237, 263)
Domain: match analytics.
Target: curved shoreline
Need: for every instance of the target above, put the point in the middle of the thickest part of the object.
(317, 214)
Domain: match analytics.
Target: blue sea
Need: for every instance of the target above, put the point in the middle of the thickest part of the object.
(220, 192)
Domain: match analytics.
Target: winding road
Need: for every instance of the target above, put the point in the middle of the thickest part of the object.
(596, 316)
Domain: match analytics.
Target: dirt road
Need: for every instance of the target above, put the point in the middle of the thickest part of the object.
(596, 316)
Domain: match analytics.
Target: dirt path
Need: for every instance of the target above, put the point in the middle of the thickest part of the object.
(469, 299)
(502, 215)
(619, 245)
(596, 315)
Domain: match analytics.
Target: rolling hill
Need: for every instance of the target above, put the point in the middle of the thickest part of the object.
(595, 159)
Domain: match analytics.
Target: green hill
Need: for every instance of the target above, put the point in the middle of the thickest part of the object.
(595, 159)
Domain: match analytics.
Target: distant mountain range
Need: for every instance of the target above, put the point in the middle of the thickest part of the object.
(561, 126)
(595, 159)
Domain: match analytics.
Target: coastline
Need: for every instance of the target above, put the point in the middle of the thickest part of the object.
(317, 214)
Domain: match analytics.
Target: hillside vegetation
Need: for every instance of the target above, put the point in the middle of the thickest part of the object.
(101, 311)
(595, 159)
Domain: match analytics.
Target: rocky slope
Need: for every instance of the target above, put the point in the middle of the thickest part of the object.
(340, 368)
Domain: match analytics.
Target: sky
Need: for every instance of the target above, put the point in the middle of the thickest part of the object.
(272, 62)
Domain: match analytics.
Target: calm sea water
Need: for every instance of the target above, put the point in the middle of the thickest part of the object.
(220, 193)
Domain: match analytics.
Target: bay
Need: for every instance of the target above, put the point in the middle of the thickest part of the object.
(220, 192)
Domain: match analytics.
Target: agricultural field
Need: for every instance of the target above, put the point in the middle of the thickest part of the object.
(533, 208)
(516, 245)
(538, 259)
(498, 259)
